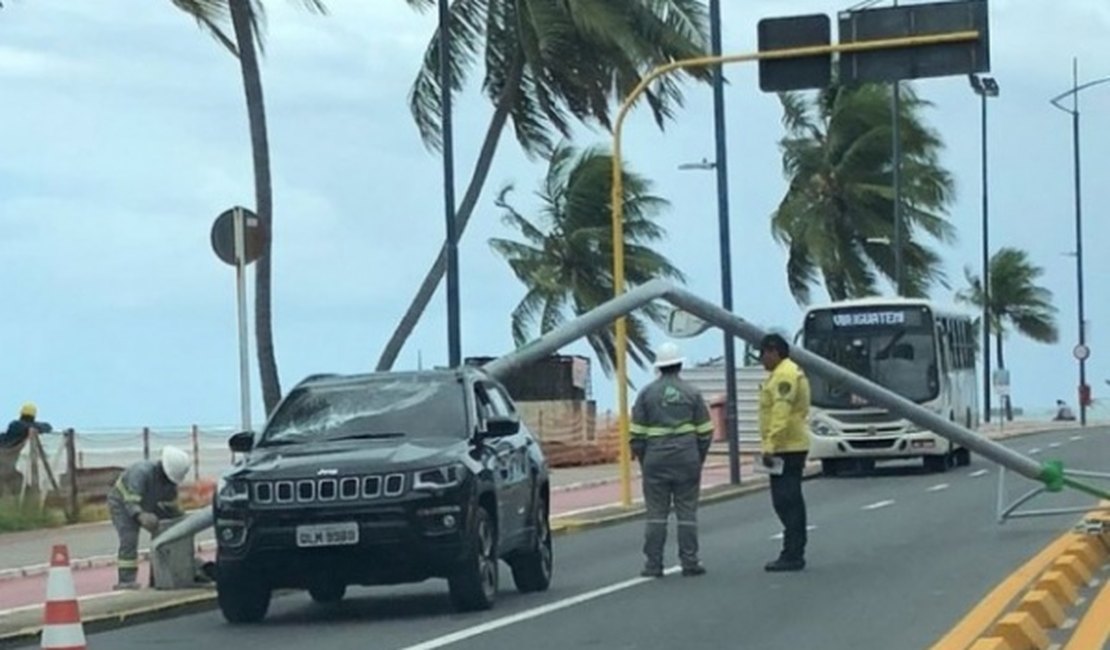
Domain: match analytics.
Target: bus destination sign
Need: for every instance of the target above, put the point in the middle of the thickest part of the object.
(825, 320)
(866, 318)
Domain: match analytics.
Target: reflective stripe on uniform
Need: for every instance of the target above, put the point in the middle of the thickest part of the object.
(126, 493)
(659, 432)
(127, 564)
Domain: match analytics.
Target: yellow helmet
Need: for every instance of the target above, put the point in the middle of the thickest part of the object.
(28, 411)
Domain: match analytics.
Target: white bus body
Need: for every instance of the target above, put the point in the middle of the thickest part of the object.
(915, 348)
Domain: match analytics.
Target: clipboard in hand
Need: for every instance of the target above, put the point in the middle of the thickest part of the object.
(774, 470)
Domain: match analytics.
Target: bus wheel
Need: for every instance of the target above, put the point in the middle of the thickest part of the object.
(937, 464)
(963, 457)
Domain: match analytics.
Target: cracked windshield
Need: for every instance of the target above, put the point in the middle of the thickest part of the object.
(489, 324)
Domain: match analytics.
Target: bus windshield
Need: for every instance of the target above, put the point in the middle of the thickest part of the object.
(893, 346)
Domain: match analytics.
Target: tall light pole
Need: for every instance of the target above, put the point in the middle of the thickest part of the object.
(732, 433)
(725, 239)
(1074, 111)
(896, 162)
(985, 87)
(454, 352)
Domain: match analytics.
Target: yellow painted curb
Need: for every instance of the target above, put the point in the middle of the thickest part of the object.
(1043, 607)
(1060, 586)
(1022, 632)
(1092, 552)
(1074, 568)
(1094, 630)
(991, 643)
(977, 622)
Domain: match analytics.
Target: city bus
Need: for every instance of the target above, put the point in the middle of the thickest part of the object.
(923, 352)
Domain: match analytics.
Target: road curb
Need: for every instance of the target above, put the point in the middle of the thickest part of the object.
(193, 603)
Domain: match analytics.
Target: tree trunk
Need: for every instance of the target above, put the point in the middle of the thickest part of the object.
(462, 216)
(263, 192)
(1001, 365)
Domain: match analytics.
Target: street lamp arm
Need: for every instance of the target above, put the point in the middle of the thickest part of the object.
(1055, 101)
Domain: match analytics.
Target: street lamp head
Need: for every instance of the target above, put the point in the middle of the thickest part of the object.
(984, 86)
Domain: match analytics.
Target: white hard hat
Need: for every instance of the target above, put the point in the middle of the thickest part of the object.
(667, 355)
(175, 463)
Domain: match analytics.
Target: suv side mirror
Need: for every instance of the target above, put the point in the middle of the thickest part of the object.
(502, 425)
(241, 442)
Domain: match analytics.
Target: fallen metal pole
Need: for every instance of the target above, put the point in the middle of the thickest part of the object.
(874, 393)
(1051, 474)
(192, 524)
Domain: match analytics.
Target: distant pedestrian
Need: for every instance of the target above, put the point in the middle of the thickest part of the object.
(20, 429)
(670, 437)
(11, 445)
(1063, 412)
(143, 496)
(784, 434)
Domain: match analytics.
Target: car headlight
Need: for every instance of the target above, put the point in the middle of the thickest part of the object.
(438, 478)
(821, 428)
(232, 491)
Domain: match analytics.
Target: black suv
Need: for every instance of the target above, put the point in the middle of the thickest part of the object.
(383, 479)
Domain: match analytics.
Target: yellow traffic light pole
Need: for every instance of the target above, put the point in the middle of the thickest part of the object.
(617, 199)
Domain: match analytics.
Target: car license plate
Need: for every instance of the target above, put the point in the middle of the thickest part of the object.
(341, 534)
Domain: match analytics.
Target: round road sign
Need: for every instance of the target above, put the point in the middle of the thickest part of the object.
(1082, 352)
(223, 236)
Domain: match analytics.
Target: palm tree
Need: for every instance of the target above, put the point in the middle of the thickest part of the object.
(547, 63)
(1017, 302)
(245, 16)
(566, 258)
(836, 219)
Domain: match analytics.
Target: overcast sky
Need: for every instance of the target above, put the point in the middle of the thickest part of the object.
(123, 134)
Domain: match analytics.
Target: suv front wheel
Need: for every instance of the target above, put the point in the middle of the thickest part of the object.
(242, 599)
(474, 583)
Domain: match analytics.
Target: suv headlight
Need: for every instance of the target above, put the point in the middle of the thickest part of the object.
(821, 428)
(232, 491)
(438, 478)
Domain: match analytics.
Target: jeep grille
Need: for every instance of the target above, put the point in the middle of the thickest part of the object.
(326, 490)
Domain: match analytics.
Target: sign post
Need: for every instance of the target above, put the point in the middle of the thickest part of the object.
(241, 302)
(236, 240)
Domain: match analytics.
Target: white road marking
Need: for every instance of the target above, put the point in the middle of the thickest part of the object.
(879, 504)
(938, 487)
(1053, 445)
(1035, 450)
(1076, 438)
(779, 535)
(979, 472)
(82, 599)
(535, 612)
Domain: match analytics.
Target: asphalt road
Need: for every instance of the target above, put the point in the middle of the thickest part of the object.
(895, 560)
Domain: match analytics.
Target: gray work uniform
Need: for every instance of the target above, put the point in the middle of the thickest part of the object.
(670, 435)
(143, 487)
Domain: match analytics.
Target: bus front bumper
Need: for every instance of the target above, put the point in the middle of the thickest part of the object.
(889, 446)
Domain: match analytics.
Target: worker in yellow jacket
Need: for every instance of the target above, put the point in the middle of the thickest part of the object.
(784, 434)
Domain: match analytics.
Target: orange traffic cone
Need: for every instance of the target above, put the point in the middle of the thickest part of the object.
(62, 628)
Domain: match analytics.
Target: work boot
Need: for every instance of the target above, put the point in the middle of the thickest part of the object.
(693, 570)
(785, 564)
(126, 586)
(652, 572)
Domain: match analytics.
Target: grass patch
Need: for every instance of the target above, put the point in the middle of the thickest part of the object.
(28, 516)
